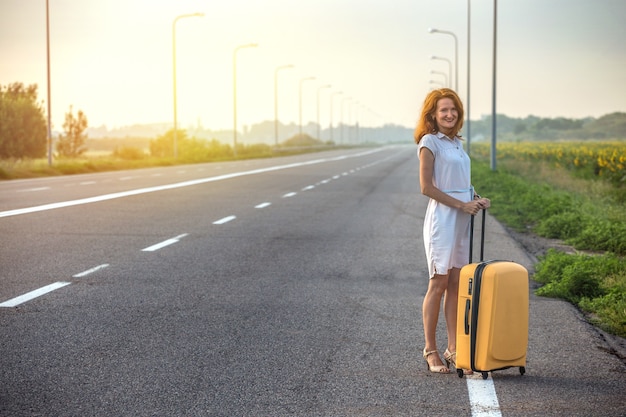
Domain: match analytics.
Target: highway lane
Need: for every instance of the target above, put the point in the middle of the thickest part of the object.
(293, 291)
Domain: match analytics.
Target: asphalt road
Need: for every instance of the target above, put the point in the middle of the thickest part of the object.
(286, 286)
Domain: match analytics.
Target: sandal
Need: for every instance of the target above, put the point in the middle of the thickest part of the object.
(450, 358)
(438, 369)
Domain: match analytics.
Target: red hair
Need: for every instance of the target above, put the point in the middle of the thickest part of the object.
(427, 123)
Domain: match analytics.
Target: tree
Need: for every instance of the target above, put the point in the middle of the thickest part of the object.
(163, 146)
(23, 128)
(71, 143)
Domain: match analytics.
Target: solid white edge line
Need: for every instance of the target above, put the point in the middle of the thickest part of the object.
(122, 194)
(225, 220)
(164, 243)
(90, 271)
(14, 302)
(483, 398)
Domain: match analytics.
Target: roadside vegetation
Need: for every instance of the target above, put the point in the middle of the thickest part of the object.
(574, 192)
(131, 154)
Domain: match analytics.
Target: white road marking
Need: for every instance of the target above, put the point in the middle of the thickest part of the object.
(33, 294)
(87, 183)
(225, 220)
(263, 205)
(308, 187)
(482, 396)
(52, 206)
(291, 194)
(164, 243)
(30, 190)
(90, 271)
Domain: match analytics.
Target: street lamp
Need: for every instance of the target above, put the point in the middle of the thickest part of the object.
(467, 99)
(342, 123)
(250, 45)
(48, 74)
(174, 75)
(445, 76)
(493, 88)
(332, 96)
(302, 81)
(282, 67)
(444, 59)
(436, 82)
(456, 54)
(318, 109)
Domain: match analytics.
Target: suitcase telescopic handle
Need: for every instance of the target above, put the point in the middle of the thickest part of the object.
(482, 238)
(467, 314)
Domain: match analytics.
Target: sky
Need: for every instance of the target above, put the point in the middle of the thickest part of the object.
(371, 59)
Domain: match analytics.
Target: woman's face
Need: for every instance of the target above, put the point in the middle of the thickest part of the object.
(446, 115)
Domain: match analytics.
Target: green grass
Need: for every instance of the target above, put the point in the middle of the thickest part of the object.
(553, 203)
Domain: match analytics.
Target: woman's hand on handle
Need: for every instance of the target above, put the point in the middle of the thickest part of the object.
(474, 206)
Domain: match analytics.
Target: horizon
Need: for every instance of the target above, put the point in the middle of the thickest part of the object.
(113, 61)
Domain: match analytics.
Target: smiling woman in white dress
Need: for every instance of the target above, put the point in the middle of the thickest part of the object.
(445, 179)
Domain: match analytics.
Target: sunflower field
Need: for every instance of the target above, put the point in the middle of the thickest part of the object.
(574, 192)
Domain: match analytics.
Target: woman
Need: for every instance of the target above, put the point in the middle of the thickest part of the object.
(445, 178)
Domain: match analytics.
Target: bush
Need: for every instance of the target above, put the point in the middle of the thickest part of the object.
(129, 153)
(601, 235)
(563, 226)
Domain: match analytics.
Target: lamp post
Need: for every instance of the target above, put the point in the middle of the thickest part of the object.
(445, 76)
(493, 92)
(342, 123)
(332, 96)
(250, 45)
(456, 54)
(302, 81)
(282, 67)
(467, 99)
(436, 82)
(48, 74)
(444, 59)
(319, 90)
(356, 120)
(182, 16)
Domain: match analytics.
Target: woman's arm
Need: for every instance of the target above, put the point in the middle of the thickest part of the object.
(427, 165)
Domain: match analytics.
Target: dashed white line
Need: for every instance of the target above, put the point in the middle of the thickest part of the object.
(291, 194)
(308, 187)
(105, 197)
(164, 243)
(30, 190)
(33, 294)
(86, 183)
(90, 271)
(263, 205)
(225, 220)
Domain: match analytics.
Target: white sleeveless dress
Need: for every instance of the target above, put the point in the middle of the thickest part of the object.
(446, 229)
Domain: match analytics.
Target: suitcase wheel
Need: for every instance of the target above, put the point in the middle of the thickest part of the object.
(485, 374)
(522, 370)
(459, 372)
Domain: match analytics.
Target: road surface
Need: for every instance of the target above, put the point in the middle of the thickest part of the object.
(279, 287)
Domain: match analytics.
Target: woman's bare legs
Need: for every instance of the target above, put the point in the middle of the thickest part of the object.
(450, 303)
(437, 286)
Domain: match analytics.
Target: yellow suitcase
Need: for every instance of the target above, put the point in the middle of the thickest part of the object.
(492, 317)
